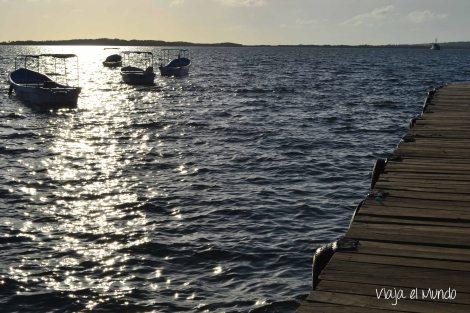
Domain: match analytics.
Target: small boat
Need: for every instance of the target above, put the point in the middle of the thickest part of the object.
(134, 75)
(37, 88)
(174, 62)
(435, 46)
(114, 60)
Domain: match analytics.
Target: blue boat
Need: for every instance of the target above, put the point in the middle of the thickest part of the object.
(37, 88)
(174, 62)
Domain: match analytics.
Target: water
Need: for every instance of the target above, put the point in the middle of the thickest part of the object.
(203, 194)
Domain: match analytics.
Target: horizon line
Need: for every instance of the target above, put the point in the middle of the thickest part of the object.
(157, 42)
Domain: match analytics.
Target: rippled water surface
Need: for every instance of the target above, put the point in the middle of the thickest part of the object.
(203, 194)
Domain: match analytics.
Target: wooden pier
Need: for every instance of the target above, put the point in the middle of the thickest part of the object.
(414, 228)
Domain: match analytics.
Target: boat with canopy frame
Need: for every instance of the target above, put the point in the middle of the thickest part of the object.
(113, 60)
(138, 68)
(174, 62)
(31, 80)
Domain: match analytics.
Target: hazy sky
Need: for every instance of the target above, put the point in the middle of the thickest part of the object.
(242, 21)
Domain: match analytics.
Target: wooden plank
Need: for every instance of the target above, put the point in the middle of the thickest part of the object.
(442, 134)
(421, 126)
(433, 133)
(415, 213)
(438, 145)
(427, 170)
(425, 204)
(416, 229)
(430, 195)
(407, 181)
(403, 261)
(422, 186)
(428, 176)
(429, 235)
(439, 162)
(442, 125)
(451, 118)
(372, 218)
(442, 162)
(415, 251)
(434, 151)
(413, 185)
(410, 182)
(444, 181)
(318, 307)
(431, 161)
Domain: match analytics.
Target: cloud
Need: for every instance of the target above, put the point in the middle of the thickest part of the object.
(230, 3)
(375, 17)
(305, 22)
(243, 3)
(419, 17)
(176, 3)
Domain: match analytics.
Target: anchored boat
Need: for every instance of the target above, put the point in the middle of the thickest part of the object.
(435, 46)
(140, 74)
(38, 88)
(114, 60)
(174, 62)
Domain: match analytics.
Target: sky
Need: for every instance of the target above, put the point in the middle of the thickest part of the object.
(241, 21)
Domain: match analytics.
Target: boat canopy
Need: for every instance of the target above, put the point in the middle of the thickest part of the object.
(32, 56)
(37, 57)
(143, 59)
(137, 52)
(60, 56)
(52, 64)
(51, 55)
(175, 49)
(169, 55)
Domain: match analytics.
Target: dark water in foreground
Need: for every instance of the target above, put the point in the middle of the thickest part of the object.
(204, 194)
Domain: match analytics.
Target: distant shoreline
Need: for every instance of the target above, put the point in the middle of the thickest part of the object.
(162, 43)
(114, 42)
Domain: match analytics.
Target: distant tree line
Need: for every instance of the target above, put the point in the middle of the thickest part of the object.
(134, 42)
(114, 42)
(446, 45)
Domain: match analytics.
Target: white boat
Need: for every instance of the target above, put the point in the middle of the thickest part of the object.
(138, 75)
(38, 88)
(174, 62)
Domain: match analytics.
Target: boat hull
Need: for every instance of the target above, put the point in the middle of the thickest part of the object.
(138, 78)
(112, 64)
(47, 97)
(170, 71)
(40, 90)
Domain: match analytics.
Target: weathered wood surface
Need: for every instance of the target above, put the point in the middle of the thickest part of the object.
(418, 234)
